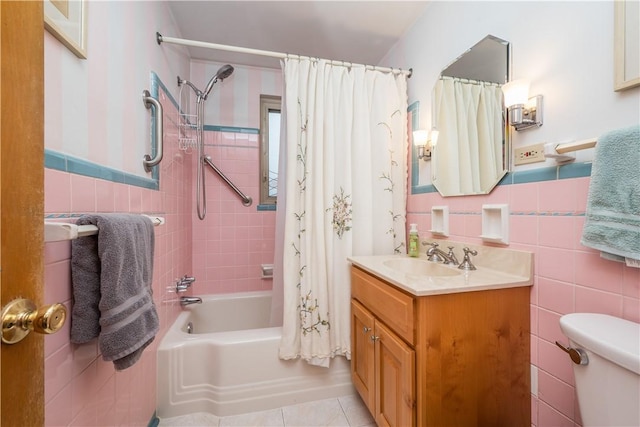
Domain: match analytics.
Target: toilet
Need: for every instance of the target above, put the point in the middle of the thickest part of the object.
(608, 385)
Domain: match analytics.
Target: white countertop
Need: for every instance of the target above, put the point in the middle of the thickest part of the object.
(502, 274)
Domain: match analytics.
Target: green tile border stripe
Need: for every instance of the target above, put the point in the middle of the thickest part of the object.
(154, 421)
(71, 164)
(231, 129)
(266, 208)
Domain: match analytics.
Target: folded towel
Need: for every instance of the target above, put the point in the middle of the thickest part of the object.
(111, 277)
(613, 207)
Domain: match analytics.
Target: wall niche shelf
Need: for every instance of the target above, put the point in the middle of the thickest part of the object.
(440, 220)
(495, 224)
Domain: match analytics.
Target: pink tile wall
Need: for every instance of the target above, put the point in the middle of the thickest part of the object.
(80, 388)
(233, 240)
(547, 219)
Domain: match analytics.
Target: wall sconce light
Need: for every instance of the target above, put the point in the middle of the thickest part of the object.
(524, 112)
(425, 141)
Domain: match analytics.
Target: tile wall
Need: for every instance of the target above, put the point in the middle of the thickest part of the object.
(233, 240)
(547, 219)
(80, 388)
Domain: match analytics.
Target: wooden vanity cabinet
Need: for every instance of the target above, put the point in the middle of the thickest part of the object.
(460, 359)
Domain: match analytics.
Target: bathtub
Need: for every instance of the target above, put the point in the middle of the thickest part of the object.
(229, 364)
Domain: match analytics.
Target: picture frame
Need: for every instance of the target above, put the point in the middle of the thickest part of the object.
(66, 20)
(626, 44)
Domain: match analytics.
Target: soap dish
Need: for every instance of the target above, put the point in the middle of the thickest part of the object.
(440, 220)
(495, 224)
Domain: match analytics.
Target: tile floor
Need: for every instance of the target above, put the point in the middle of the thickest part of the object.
(346, 411)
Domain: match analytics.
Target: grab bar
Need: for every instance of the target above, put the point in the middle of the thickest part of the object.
(246, 201)
(148, 101)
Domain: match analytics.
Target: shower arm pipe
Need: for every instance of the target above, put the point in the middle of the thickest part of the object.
(194, 43)
(147, 161)
(246, 201)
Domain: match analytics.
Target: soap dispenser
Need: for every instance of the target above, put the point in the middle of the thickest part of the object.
(413, 240)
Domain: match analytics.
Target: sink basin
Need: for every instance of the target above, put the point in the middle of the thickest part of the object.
(420, 267)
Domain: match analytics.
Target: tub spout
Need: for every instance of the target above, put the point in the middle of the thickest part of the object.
(190, 300)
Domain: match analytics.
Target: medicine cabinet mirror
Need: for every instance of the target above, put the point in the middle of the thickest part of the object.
(473, 150)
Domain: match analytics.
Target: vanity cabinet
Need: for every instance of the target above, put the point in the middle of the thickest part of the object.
(383, 370)
(451, 359)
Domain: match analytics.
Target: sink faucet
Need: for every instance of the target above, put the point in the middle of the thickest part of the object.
(466, 262)
(437, 255)
(184, 301)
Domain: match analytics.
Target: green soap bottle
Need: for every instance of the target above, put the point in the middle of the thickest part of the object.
(413, 240)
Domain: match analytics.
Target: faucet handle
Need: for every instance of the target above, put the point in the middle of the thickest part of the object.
(453, 260)
(466, 262)
(187, 279)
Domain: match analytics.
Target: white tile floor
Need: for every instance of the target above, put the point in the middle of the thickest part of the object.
(346, 411)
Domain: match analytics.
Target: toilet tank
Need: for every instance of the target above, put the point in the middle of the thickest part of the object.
(608, 387)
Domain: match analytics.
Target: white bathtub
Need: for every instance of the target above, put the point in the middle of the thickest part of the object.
(229, 365)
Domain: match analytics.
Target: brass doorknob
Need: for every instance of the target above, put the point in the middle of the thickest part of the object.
(21, 316)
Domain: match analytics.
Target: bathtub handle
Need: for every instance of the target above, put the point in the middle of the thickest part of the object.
(578, 356)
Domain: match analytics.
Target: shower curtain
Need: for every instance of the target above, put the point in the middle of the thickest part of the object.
(468, 157)
(343, 180)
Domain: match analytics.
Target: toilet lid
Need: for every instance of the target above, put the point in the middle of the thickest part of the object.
(615, 339)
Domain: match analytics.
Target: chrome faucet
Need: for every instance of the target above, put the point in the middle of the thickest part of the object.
(184, 301)
(183, 283)
(466, 262)
(437, 255)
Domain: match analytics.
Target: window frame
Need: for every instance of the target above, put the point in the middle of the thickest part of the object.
(268, 103)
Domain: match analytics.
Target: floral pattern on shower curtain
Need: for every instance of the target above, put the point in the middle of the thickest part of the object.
(345, 194)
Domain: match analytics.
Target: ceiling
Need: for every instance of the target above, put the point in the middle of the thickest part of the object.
(354, 31)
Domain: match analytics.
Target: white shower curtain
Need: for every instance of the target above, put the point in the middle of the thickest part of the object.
(344, 184)
(468, 157)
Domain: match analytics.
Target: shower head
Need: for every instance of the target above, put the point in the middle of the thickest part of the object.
(224, 72)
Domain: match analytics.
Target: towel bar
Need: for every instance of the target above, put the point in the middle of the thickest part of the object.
(58, 231)
(575, 146)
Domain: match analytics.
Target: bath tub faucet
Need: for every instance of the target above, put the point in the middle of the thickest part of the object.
(190, 300)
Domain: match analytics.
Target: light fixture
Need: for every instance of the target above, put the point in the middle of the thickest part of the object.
(524, 112)
(424, 142)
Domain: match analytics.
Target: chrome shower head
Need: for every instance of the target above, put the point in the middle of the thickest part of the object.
(224, 72)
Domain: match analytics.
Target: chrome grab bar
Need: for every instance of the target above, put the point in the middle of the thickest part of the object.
(246, 201)
(148, 101)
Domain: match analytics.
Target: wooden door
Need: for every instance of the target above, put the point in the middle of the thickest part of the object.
(362, 354)
(395, 380)
(21, 203)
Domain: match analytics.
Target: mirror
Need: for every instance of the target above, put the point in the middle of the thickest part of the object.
(473, 148)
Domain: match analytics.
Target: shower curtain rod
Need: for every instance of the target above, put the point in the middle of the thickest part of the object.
(185, 42)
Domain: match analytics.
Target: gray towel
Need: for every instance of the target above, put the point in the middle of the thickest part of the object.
(613, 207)
(112, 295)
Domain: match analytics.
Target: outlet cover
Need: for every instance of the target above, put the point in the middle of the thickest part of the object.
(529, 154)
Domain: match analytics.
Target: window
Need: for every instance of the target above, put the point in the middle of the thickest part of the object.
(269, 148)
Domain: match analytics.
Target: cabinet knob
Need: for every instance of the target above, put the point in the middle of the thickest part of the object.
(365, 330)
(374, 338)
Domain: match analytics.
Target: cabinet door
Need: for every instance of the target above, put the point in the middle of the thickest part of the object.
(362, 358)
(395, 380)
